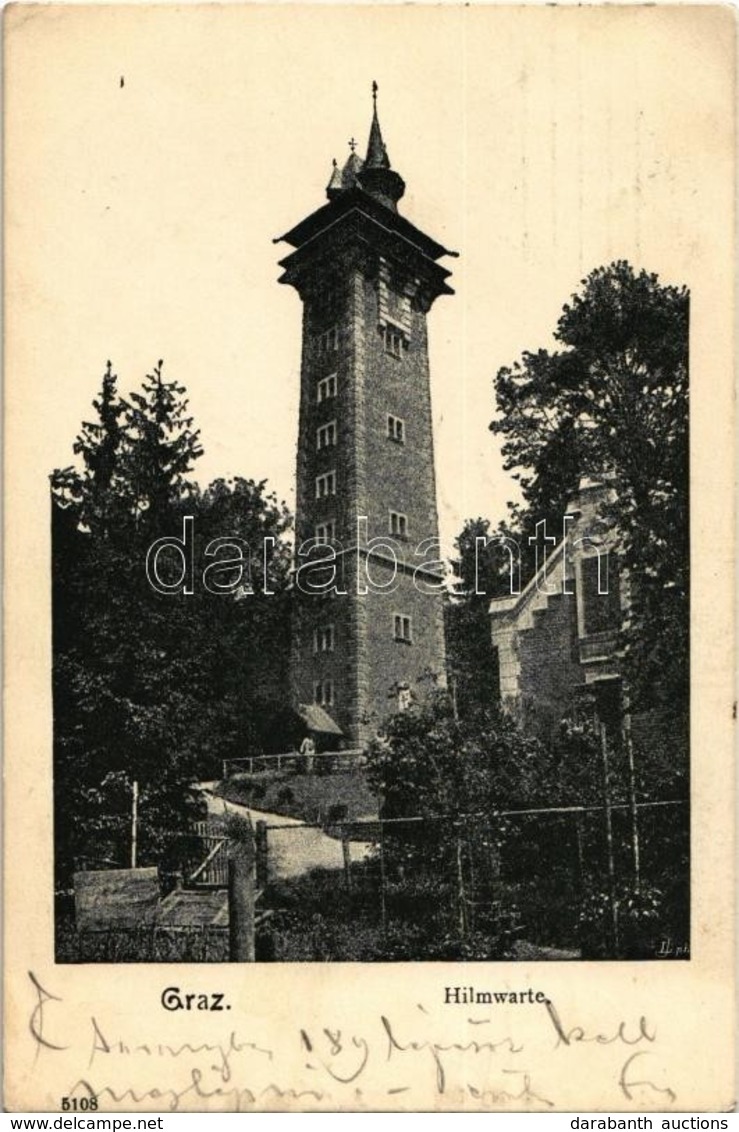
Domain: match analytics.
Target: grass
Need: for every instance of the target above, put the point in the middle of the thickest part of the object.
(309, 797)
(139, 945)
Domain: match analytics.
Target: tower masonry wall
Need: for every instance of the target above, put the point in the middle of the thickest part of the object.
(365, 473)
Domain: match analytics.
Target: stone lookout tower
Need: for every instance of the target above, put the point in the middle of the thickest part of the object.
(368, 632)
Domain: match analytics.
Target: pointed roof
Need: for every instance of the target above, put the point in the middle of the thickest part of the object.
(335, 185)
(352, 166)
(377, 157)
(377, 178)
(346, 177)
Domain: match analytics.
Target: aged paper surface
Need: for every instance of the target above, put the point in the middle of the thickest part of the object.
(152, 154)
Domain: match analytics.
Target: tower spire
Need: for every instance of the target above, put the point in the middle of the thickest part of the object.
(377, 177)
(377, 157)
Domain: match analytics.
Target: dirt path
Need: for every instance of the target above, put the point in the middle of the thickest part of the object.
(294, 849)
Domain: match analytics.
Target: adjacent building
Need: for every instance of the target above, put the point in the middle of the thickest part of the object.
(557, 641)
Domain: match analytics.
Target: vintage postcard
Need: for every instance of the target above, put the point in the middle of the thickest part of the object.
(369, 556)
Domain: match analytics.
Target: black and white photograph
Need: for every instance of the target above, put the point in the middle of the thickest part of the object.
(366, 351)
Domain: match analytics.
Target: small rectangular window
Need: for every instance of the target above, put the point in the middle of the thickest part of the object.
(327, 387)
(323, 639)
(325, 485)
(326, 532)
(398, 524)
(328, 341)
(323, 692)
(326, 436)
(402, 627)
(396, 428)
(601, 593)
(393, 340)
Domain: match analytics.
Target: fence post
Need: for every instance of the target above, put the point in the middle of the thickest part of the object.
(262, 854)
(609, 840)
(241, 892)
(347, 853)
(632, 793)
(580, 853)
(134, 822)
(383, 905)
(460, 889)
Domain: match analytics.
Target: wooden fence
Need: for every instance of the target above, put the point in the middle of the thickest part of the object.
(212, 866)
(323, 762)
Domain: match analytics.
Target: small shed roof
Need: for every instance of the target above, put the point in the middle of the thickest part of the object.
(316, 719)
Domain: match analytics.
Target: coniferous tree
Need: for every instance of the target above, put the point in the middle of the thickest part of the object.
(161, 448)
(151, 687)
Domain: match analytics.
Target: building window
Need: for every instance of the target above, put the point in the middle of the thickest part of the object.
(327, 387)
(398, 524)
(323, 639)
(323, 692)
(326, 436)
(328, 341)
(601, 611)
(393, 340)
(394, 299)
(402, 627)
(326, 532)
(404, 697)
(325, 485)
(396, 428)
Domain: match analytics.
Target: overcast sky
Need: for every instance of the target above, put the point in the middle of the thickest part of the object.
(164, 148)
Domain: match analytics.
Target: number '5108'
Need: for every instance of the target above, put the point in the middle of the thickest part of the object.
(79, 1104)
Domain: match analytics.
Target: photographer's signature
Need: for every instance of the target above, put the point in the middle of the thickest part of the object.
(672, 949)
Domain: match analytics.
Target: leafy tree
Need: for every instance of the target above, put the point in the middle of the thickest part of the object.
(450, 775)
(612, 401)
(483, 834)
(430, 762)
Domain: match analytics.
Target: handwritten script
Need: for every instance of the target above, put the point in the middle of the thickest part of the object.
(476, 1059)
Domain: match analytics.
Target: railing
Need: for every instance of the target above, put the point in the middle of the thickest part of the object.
(323, 762)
